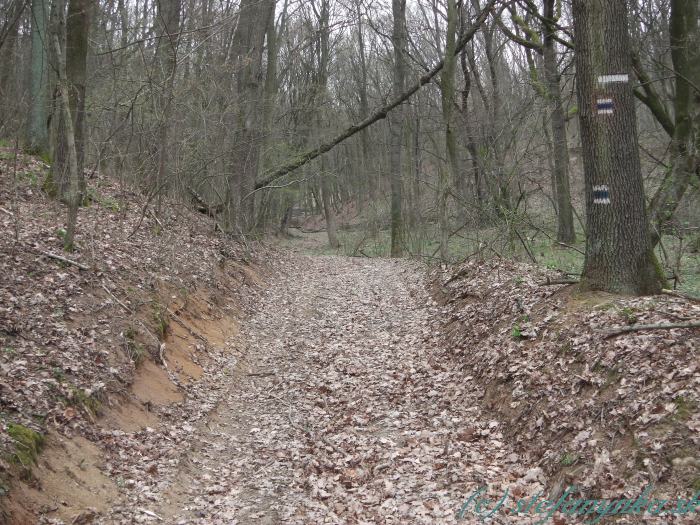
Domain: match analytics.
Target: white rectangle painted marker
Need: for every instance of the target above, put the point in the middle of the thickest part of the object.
(607, 79)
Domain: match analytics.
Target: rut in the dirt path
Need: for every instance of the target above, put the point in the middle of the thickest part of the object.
(345, 412)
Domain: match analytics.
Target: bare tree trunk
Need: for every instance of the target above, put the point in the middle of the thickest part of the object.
(396, 124)
(565, 215)
(320, 102)
(685, 142)
(77, 26)
(37, 130)
(469, 132)
(619, 256)
(247, 47)
(368, 175)
(168, 22)
(73, 195)
(448, 102)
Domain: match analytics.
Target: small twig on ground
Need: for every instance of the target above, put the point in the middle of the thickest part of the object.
(153, 336)
(7, 211)
(151, 514)
(527, 248)
(63, 259)
(551, 282)
(187, 327)
(682, 295)
(115, 298)
(624, 329)
(571, 247)
(156, 218)
(161, 354)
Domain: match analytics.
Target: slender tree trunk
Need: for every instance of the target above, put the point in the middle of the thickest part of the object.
(619, 257)
(8, 77)
(320, 101)
(450, 175)
(565, 215)
(396, 124)
(77, 31)
(168, 23)
(77, 25)
(469, 132)
(73, 195)
(271, 82)
(368, 175)
(685, 142)
(37, 130)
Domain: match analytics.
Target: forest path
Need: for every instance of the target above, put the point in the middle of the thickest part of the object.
(347, 410)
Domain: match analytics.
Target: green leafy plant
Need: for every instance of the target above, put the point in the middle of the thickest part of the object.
(568, 459)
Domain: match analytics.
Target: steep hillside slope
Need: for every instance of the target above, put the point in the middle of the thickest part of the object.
(103, 348)
(594, 405)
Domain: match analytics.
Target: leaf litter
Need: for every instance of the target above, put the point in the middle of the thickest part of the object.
(358, 391)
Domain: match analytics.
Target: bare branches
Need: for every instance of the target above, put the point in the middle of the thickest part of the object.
(379, 114)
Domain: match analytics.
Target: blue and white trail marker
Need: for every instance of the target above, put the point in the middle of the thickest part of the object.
(604, 106)
(601, 194)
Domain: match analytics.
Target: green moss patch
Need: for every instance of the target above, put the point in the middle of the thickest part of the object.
(28, 444)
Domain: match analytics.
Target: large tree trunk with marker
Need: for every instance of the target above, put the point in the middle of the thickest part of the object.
(619, 256)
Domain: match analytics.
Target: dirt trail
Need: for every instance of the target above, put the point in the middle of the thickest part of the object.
(346, 411)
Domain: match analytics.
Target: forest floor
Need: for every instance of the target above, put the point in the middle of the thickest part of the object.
(172, 375)
(344, 411)
(351, 406)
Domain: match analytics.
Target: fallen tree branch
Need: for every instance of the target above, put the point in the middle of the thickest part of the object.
(115, 298)
(682, 295)
(187, 327)
(622, 330)
(379, 114)
(571, 247)
(63, 259)
(551, 282)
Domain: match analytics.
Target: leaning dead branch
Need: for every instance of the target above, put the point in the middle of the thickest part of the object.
(380, 113)
(625, 329)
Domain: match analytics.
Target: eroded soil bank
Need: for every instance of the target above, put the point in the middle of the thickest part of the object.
(369, 391)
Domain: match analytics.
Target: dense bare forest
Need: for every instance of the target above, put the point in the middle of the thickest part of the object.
(229, 106)
(349, 261)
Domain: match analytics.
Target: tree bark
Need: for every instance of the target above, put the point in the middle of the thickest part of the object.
(565, 216)
(246, 53)
(73, 194)
(168, 22)
(320, 100)
(619, 257)
(470, 138)
(77, 25)
(37, 130)
(685, 141)
(368, 174)
(448, 102)
(396, 125)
